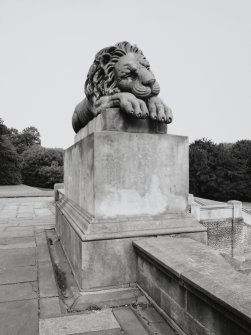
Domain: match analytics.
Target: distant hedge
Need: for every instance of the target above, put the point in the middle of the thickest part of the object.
(10, 161)
(220, 171)
(10, 164)
(42, 167)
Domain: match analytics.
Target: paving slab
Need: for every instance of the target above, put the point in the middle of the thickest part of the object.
(152, 320)
(79, 324)
(43, 254)
(19, 229)
(12, 191)
(20, 291)
(17, 233)
(18, 245)
(102, 332)
(18, 257)
(8, 224)
(25, 215)
(42, 212)
(15, 240)
(18, 274)
(129, 322)
(46, 280)
(19, 318)
(49, 307)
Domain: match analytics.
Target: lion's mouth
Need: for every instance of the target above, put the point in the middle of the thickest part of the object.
(142, 91)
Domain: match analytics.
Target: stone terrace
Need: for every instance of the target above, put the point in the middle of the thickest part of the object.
(30, 301)
(26, 277)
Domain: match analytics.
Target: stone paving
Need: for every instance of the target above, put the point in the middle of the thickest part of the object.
(27, 285)
(10, 191)
(30, 301)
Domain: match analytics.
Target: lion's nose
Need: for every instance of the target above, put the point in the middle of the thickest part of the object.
(150, 82)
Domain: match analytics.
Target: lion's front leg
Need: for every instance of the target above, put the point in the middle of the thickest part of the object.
(127, 102)
(159, 111)
(132, 105)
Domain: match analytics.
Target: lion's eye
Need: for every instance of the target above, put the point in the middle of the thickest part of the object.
(132, 73)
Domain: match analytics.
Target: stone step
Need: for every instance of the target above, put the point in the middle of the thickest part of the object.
(129, 322)
(141, 320)
(152, 320)
(108, 298)
(98, 322)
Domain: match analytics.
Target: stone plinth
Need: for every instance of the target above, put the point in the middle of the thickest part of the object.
(121, 186)
(113, 119)
(111, 174)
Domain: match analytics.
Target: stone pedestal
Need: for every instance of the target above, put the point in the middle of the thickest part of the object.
(121, 186)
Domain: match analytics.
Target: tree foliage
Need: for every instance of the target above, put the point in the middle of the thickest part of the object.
(10, 161)
(42, 167)
(220, 171)
(22, 157)
(25, 139)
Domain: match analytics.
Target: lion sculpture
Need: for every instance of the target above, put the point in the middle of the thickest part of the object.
(121, 77)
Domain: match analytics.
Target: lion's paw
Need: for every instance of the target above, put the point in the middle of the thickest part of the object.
(159, 111)
(133, 106)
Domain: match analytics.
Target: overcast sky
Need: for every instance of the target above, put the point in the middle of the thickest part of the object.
(199, 51)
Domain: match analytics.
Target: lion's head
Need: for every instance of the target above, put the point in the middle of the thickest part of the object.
(120, 68)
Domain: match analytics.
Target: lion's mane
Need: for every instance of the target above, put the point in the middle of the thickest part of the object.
(101, 77)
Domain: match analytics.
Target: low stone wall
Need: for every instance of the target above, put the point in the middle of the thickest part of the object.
(196, 289)
(228, 237)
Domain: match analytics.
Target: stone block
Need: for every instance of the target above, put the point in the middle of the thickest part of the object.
(107, 298)
(113, 119)
(78, 324)
(128, 174)
(217, 297)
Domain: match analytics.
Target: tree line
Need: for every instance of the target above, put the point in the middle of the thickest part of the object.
(216, 171)
(220, 171)
(24, 160)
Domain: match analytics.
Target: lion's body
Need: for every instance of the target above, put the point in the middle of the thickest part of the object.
(121, 77)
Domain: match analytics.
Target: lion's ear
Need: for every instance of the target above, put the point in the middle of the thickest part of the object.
(105, 59)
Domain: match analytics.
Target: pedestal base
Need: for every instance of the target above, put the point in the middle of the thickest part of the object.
(121, 186)
(101, 253)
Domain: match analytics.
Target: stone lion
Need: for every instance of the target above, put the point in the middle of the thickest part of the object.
(121, 77)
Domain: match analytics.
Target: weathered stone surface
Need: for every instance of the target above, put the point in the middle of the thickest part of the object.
(42, 212)
(18, 274)
(46, 280)
(129, 322)
(135, 174)
(18, 257)
(218, 299)
(18, 245)
(17, 233)
(49, 307)
(113, 119)
(152, 320)
(20, 291)
(95, 321)
(107, 298)
(19, 318)
(15, 240)
(112, 249)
